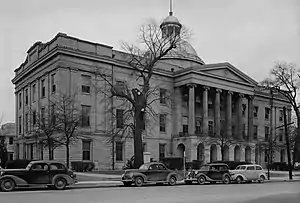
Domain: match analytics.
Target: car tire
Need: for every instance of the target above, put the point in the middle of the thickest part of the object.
(139, 181)
(7, 185)
(261, 179)
(239, 179)
(60, 184)
(127, 184)
(201, 180)
(226, 179)
(172, 181)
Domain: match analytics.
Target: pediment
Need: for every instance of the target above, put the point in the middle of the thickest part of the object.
(228, 72)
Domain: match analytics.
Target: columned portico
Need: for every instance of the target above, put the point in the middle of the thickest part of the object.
(240, 116)
(217, 112)
(250, 118)
(229, 113)
(191, 128)
(205, 110)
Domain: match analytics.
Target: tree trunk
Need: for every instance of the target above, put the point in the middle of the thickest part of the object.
(222, 153)
(138, 145)
(68, 154)
(50, 149)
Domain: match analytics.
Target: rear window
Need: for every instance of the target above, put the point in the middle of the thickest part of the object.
(258, 168)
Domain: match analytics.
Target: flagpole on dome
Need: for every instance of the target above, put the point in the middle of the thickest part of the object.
(171, 9)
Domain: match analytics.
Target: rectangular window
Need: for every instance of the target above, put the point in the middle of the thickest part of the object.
(86, 84)
(11, 140)
(26, 123)
(119, 151)
(255, 112)
(267, 113)
(43, 88)
(43, 116)
(162, 122)
(20, 100)
(210, 127)
(255, 132)
(53, 85)
(34, 117)
(85, 122)
(267, 133)
(20, 125)
(120, 118)
(281, 135)
(26, 97)
(86, 150)
(185, 126)
(162, 150)
(162, 95)
(198, 126)
(281, 115)
(244, 107)
(144, 147)
(33, 92)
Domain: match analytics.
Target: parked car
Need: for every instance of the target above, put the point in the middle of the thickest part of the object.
(216, 172)
(232, 164)
(248, 173)
(51, 173)
(153, 172)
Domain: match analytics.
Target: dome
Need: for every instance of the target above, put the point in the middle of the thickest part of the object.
(186, 51)
(170, 20)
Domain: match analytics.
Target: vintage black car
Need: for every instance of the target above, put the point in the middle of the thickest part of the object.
(153, 172)
(209, 173)
(50, 173)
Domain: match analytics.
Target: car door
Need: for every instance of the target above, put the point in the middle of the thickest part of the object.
(214, 173)
(250, 173)
(38, 174)
(152, 173)
(163, 172)
(258, 171)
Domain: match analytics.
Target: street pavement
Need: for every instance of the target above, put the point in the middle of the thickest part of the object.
(277, 192)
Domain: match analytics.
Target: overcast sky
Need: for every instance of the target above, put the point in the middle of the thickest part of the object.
(250, 34)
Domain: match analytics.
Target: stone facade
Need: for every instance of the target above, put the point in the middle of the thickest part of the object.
(208, 102)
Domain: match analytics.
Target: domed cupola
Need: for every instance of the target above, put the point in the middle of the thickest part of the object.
(170, 24)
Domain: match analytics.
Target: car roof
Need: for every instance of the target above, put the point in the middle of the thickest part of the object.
(46, 161)
(216, 164)
(250, 165)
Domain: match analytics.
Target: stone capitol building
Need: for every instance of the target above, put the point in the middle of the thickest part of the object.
(209, 101)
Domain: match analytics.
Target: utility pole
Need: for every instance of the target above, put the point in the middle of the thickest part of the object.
(287, 143)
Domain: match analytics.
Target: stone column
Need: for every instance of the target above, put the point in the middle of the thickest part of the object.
(178, 115)
(240, 116)
(217, 112)
(229, 113)
(191, 108)
(250, 118)
(205, 110)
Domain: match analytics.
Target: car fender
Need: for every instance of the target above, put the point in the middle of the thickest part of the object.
(177, 176)
(202, 174)
(239, 174)
(65, 176)
(18, 180)
(262, 174)
(136, 174)
(227, 174)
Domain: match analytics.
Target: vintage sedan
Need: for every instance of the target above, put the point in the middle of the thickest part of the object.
(248, 173)
(153, 172)
(212, 173)
(50, 173)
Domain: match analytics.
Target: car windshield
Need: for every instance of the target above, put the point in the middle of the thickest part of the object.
(240, 168)
(204, 168)
(144, 166)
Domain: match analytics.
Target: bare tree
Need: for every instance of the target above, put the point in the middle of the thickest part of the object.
(284, 79)
(44, 128)
(141, 93)
(68, 117)
(3, 149)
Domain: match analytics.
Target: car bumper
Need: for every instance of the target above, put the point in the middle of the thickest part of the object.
(190, 179)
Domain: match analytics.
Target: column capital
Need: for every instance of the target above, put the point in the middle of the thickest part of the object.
(205, 87)
(230, 92)
(241, 95)
(218, 90)
(250, 97)
(191, 85)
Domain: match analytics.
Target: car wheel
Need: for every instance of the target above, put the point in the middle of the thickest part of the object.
(127, 184)
(239, 180)
(172, 181)
(226, 179)
(261, 179)
(188, 182)
(139, 181)
(201, 180)
(7, 185)
(60, 183)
